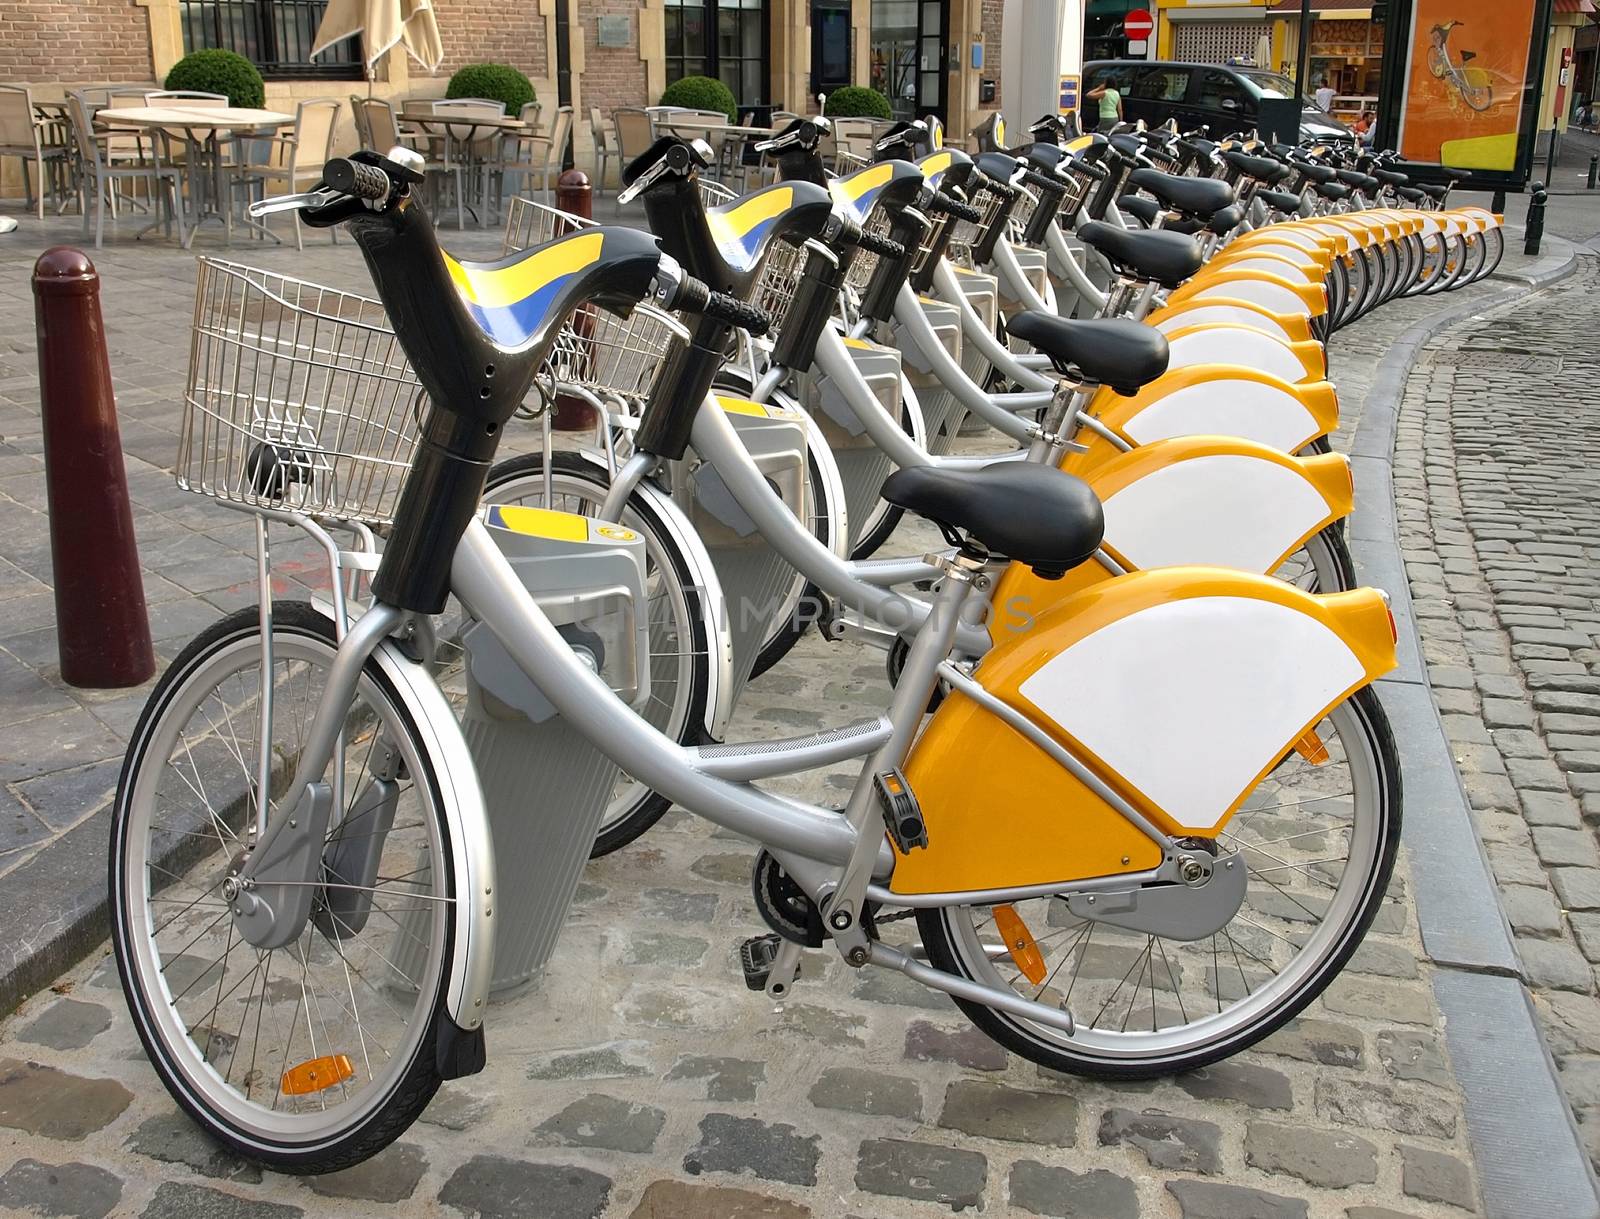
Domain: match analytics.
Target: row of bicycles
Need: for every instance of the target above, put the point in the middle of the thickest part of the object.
(1132, 802)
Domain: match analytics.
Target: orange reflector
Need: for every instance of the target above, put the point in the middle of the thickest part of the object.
(1311, 748)
(1024, 949)
(317, 1075)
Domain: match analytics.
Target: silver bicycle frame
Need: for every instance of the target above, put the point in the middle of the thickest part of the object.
(994, 409)
(973, 329)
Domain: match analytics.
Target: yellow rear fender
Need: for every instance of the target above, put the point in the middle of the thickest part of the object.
(1217, 343)
(1361, 232)
(1344, 243)
(1222, 400)
(1276, 292)
(1487, 218)
(1179, 689)
(1283, 234)
(1293, 327)
(1213, 500)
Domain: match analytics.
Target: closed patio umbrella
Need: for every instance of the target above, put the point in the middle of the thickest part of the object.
(385, 23)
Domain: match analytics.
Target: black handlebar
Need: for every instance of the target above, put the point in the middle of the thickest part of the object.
(883, 247)
(1004, 189)
(694, 297)
(1044, 181)
(355, 179)
(949, 206)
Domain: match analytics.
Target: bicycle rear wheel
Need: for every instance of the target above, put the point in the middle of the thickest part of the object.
(315, 1056)
(1319, 841)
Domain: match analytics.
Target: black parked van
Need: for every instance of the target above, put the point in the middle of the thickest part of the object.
(1220, 98)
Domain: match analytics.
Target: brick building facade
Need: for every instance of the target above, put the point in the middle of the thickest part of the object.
(59, 44)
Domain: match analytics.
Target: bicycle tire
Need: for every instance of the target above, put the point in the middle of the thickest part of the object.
(388, 1116)
(950, 951)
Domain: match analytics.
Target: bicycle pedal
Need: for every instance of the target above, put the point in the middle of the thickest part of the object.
(756, 958)
(902, 815)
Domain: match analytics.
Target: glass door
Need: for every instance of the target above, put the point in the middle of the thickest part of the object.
(909, 40)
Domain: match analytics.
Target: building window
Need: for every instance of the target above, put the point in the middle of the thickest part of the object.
(830, 45)
(275, 35)
(722, 38)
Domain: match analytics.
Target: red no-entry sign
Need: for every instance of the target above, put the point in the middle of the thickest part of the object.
(1138, 25)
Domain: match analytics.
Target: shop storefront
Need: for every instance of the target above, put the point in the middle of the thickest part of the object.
(1103, 33)
(1346, 51)
(1203, 31)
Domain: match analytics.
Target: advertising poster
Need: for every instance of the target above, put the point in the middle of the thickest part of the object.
(1466, 81)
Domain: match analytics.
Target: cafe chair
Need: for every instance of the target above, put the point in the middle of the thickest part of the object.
(24, 136)
(604, 138)
(526, 155)
(99, 176)
(288, 164)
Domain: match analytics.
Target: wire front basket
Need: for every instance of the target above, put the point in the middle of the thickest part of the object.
(299, 398)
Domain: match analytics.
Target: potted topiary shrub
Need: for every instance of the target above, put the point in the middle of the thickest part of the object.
(857, 102)
(216, 71)
(496, 81)
(702, 93)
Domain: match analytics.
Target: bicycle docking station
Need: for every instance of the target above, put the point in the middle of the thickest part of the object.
(942, 411)
(982, 291)
(863, 466)
(752, 572)
(545, 785)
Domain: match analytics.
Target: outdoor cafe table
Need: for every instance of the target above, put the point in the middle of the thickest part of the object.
(203, 131)
(467, 132)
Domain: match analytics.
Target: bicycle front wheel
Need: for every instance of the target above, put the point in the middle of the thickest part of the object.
(1318, 837)
(314, 1056)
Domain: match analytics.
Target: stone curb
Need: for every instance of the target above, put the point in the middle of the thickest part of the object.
(1530, 1157)
(57, 910)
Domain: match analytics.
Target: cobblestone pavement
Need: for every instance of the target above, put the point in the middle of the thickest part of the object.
(640, 1077)
(1499, 508)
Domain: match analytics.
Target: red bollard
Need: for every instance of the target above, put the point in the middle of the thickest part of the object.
(574, 195)
(104, 632)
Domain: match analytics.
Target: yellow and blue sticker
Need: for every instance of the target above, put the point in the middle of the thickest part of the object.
(538, 522)
(934, 167)
(511, 299)
(739, 228)
(860, 190)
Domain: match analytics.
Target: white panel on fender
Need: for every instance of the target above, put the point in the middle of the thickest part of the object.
(1250, 409)
(1272, 266)
(1258, 292)
(1222, 510)
(1224, 315)
(1241, 345)
(1282, 249)
(1190, 700)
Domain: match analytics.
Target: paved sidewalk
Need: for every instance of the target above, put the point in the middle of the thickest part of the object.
(1499, 502)
(641, 1078)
